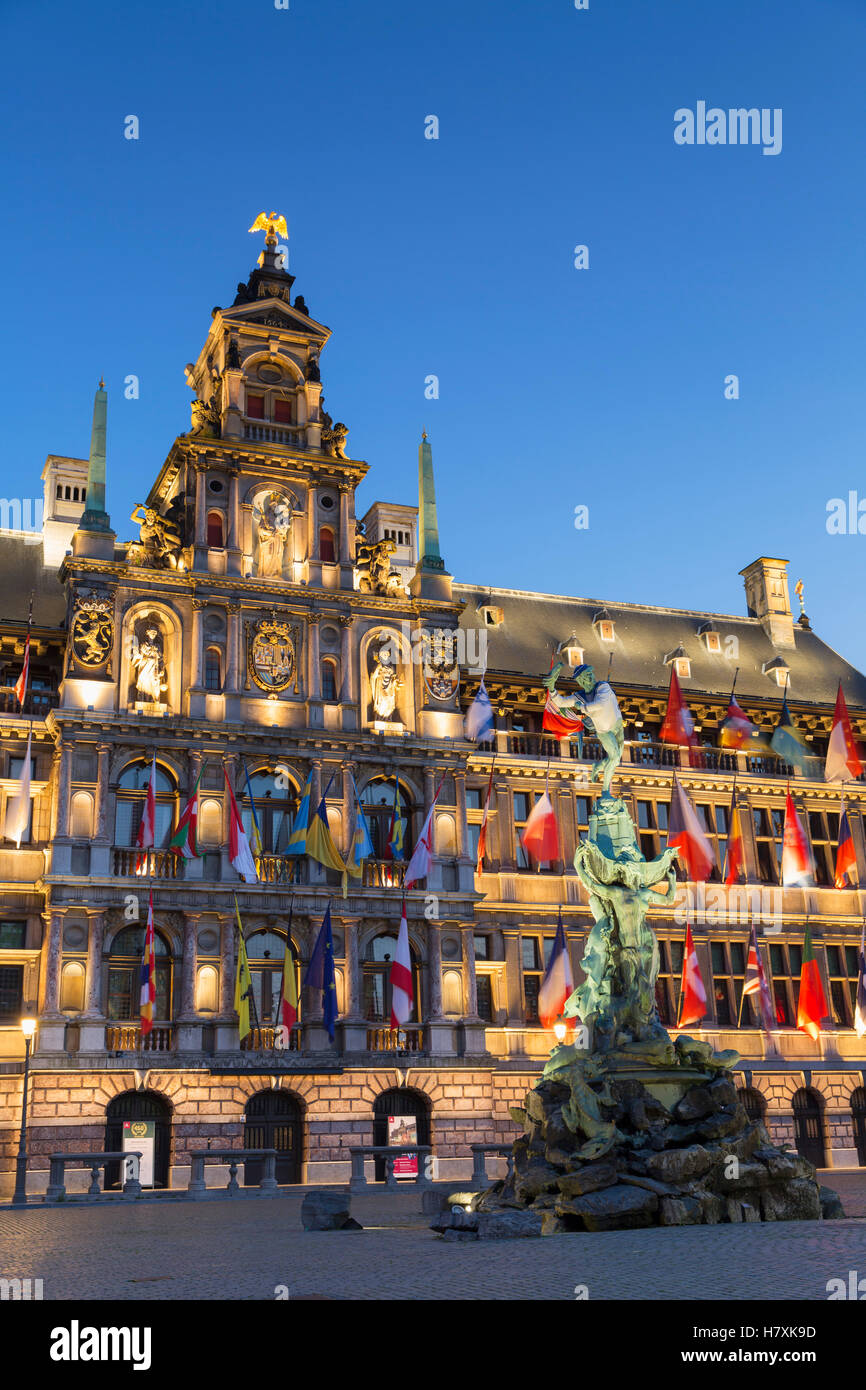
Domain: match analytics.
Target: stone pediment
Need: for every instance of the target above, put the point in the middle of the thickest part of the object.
(273, 313)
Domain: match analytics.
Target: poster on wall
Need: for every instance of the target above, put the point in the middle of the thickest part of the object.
(141, 1135)
(403, 1129)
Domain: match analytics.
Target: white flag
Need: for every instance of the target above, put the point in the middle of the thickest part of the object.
(18, 809)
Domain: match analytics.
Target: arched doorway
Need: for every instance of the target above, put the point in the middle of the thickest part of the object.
(399, 1101)
(753, 1103)
(858, 1115)
(809, 1126)
(274, 1120)
(132, 1106)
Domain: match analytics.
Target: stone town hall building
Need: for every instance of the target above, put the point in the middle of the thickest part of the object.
(244, 627)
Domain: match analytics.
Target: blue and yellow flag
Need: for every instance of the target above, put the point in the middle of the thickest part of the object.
(788, 743)
(298, 838)
(320, 842)
(394, 847)
(362, 846)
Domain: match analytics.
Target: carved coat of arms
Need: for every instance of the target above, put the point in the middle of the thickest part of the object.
(441, 671)
(271, 656)
(91, 636)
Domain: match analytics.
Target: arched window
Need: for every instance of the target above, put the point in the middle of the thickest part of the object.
(266, 953)
(59, 493)
(75, 494)
(753, 1103)
(329, 680)
(378, 959)
(327, 551)
(446, 836)
(81, 819)
(213, 679)
(210, 822)
(215, 534)
(68, 494)
(124, 975)
(276, 807)
(809, 1125)
(377, 798)
(72, 987)
(131, 794)
(207, 989)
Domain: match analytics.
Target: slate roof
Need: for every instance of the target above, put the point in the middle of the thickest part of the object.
(534, 624)
(22, 570)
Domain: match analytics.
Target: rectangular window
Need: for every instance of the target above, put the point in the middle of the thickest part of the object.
(256, 407)
(652, 821)
(283, 412)
(11, 993)
(769, 824)
(668, 981)
(523, 802)
(842, 976)
(484, 986)
(824, 833)
(729, 970)
(12, 936)
(482, 947)
(714, 822)
(785, 965)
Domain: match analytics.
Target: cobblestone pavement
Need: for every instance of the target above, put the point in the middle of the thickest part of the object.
(245, 1249)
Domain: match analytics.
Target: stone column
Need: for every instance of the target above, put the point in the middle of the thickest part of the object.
(51, 990)
(233, 648)
(228, 927)
(513, 980)
(229, 763)
(63, 780)
(460, 798)
(200, 536)
(347, 672)
(567, 831)
(505, 826)
(348, 805)
(315, 784)
(188, 968)
(353, 970)
(195, 643)
(95, 943)
(470, 987)
(345, 539)
(233, 539)
(434, 957)
(314, 675)
(102, 775)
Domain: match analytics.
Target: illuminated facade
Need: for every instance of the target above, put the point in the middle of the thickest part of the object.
(254, 626)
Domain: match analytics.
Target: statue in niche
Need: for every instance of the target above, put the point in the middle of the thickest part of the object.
(148, 664)
(272, 518)
(385, 684)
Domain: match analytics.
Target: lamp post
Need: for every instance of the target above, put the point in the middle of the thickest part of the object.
(19, 1196)
(560, 1028)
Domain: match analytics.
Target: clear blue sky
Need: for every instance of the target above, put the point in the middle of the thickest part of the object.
(558, 387)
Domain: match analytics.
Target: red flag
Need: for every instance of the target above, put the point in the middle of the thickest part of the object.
(553, 721)
(146, 837)
(812, 1004)
(148, 974)
(737, 730)
(755, 982)
(686, 834)
(240, 853)
(846, 858)
(539, 836)
(482, 834)
(843, 756)
(678, 725)
(797, 866)
(558, 983)
(693, 996)
(735, 852)
(21, 683)
(402, 992)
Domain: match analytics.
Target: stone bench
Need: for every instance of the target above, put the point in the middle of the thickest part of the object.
(390, 1152)
(233, 1157)
(56, 1190)
(480, 1152)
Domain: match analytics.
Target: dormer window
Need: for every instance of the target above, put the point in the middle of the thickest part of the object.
(490, 615)
(712, 639)
(604, 626)
(777, 670)
(680, 662)
(572, 652)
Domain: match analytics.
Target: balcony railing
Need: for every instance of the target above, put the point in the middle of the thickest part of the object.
(292, 435)
(383, 873)
(36, 705)
(126, 1037)
(652, 754)
(409, 1039)
(279, 868)
(262, 1038)
(541, 745)
(147, 863)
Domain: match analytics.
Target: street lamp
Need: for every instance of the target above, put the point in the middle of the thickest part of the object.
(560, 1028)
(19, 1196)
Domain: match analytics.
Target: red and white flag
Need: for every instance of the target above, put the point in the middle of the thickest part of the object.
(558, 982)
(146, 837)
(843, 756)
(148, 974)
(482, 834)
(755, 982)
(422, 855)
(797, 865)
(240, 853)
(401, 976)
(540, 836)
(678, 725)
(686, 834)
(21, 683)
(693, 996)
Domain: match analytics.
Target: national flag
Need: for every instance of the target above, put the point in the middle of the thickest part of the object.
(240, 853)
(678, 725)
(320, 843)
(755, 982)
(693, 995)
(402, 993)
(540, 835)
(559, 723)
(147, 993)
(243, 982)
(846, 858)
(21, 683)
(257, 837)
(183, 841)
(18, 805)
(320, 974)
(812, 1003)
(422, 855)
(478, 723)
(843, 756)
(394, 849)
(860, 1007)
(788, 743)
(797, 865)
(146, 837)
(738, 731)
(735, 849)
(558, 982)
(362, 846)
(288, 1006)
(298, 838)
(482, 834)
(686, 834)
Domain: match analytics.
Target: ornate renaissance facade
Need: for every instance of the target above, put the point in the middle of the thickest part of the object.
(255, 630)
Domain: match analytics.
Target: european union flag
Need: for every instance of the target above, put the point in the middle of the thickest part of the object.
(320, 973)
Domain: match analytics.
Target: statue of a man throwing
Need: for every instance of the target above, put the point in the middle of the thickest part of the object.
(594, 701)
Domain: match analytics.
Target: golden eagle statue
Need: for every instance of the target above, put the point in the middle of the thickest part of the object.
(271, 223)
